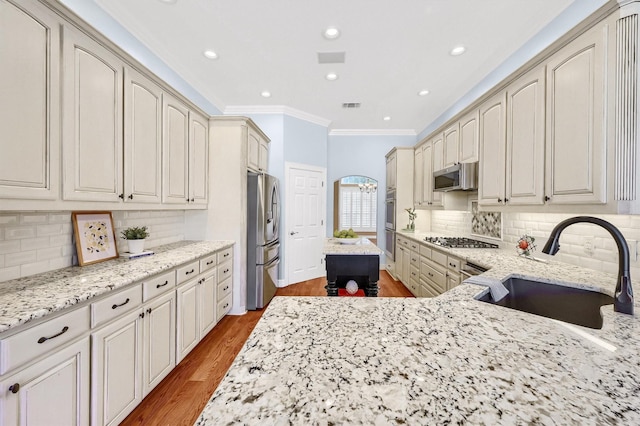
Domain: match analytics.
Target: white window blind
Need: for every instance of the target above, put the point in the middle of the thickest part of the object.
(357, 209)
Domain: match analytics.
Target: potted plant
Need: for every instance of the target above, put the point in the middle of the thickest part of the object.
(135, 237)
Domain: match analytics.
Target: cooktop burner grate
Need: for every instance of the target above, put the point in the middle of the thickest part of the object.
(459, 242)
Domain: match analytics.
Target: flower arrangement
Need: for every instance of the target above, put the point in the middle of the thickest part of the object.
(135, 233)
(412, 217)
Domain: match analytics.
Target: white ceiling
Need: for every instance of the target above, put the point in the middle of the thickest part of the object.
(393, 50)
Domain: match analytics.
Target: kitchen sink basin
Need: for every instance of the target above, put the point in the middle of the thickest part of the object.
(568, 304)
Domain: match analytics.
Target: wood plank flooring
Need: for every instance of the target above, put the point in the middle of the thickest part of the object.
(180, 398)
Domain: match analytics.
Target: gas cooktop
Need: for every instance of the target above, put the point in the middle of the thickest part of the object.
(459, 242)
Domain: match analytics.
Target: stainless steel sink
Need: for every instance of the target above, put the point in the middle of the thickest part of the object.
(568, 304)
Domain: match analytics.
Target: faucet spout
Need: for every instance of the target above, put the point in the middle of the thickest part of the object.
(623, 301)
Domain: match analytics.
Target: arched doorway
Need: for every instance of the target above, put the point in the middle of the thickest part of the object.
(355, 205)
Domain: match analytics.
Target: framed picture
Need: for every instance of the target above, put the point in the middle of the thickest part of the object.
(95, 237)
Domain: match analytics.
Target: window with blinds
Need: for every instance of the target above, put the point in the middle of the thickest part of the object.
(358, 209)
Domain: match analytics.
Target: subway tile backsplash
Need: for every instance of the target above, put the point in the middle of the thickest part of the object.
(573, 239)
(35, 242)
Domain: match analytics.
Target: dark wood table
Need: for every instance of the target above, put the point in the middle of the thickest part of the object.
(359, 262)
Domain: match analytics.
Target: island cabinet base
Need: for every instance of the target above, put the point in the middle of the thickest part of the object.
(364, 269)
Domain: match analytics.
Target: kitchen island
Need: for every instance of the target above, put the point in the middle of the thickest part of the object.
(449, 359)
(359, 261)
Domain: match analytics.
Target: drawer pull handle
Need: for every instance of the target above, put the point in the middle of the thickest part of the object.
(225, 255)
(162, 285)
(44, 339)
(452, 265)
(14, 388)
(210, 262)
(225, 271)
(226, 305)
(226, 288)
(190, 272)
(122, 304)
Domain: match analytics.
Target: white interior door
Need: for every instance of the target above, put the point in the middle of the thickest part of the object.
(305, 224)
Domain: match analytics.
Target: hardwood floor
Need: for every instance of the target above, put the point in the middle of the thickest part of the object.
(180, 398)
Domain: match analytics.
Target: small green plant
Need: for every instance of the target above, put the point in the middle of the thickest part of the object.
(135, 233)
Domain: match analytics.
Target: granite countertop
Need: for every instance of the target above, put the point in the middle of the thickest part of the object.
(446, 360)
(363, 246)
(26, 299)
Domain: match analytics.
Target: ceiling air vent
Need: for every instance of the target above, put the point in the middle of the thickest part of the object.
(351, 105)
(331, 57)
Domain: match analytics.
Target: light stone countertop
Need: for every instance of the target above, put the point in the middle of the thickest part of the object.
(363, 246)
(446, 360)
(26, 299)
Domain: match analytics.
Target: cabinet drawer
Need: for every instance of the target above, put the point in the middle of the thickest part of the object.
(224, 288)
(157, 285)
(414, 273)
(434, 275)
(414, 259)
(224, 271)
(414, 245)
(425, 251)
(224, 255)
(208, 263)
(453, 264)
(35, 341)
(187, 271)
(439, 257)
(115, 305)
(224, 306)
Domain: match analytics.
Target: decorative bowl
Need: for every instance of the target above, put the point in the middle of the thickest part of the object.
(348, 240)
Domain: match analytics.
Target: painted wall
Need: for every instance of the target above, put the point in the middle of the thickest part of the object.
(361, 155)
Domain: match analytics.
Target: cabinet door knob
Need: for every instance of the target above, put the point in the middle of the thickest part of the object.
(193, 199)
(130, 196)
(149, 310)
(14, 388)
(499, 200)
(142, 315)
(121, 196)
(547, 198)
(506, 200)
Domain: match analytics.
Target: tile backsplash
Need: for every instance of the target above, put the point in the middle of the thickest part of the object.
(603, 256)
(35, 242)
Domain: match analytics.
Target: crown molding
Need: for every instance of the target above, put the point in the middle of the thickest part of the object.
(372, 132)
(276, 109)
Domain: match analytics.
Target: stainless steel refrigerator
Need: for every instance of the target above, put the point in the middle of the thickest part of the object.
(263, 243)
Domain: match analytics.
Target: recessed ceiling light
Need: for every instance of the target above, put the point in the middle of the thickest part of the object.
(458, 50)
(423, 93)
(331, 33)
(210, 54)
(331, 76)
(168, 1)
(265, 94)
(387, 118)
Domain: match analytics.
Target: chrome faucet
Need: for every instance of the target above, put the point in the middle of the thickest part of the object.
(623, 300)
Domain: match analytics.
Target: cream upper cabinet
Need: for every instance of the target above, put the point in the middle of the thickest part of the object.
(437, 163)
(142, 139)
(176, 151)
(29, 111)
(418, 175)
(392, 166)
(198, 158)
(427, 173)
(469, 137)
(576, 148)
(92, 120)
(491, 188)
(450, 146)
(525, 139)
(257, 152)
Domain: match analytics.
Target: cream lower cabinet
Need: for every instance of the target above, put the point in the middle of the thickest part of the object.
(116, 379)
(196, 310)
(159, 343)
(52, 391)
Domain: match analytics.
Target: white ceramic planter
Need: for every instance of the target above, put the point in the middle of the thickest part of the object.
(136, 246)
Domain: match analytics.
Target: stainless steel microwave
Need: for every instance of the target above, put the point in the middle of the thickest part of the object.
(459, 177)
